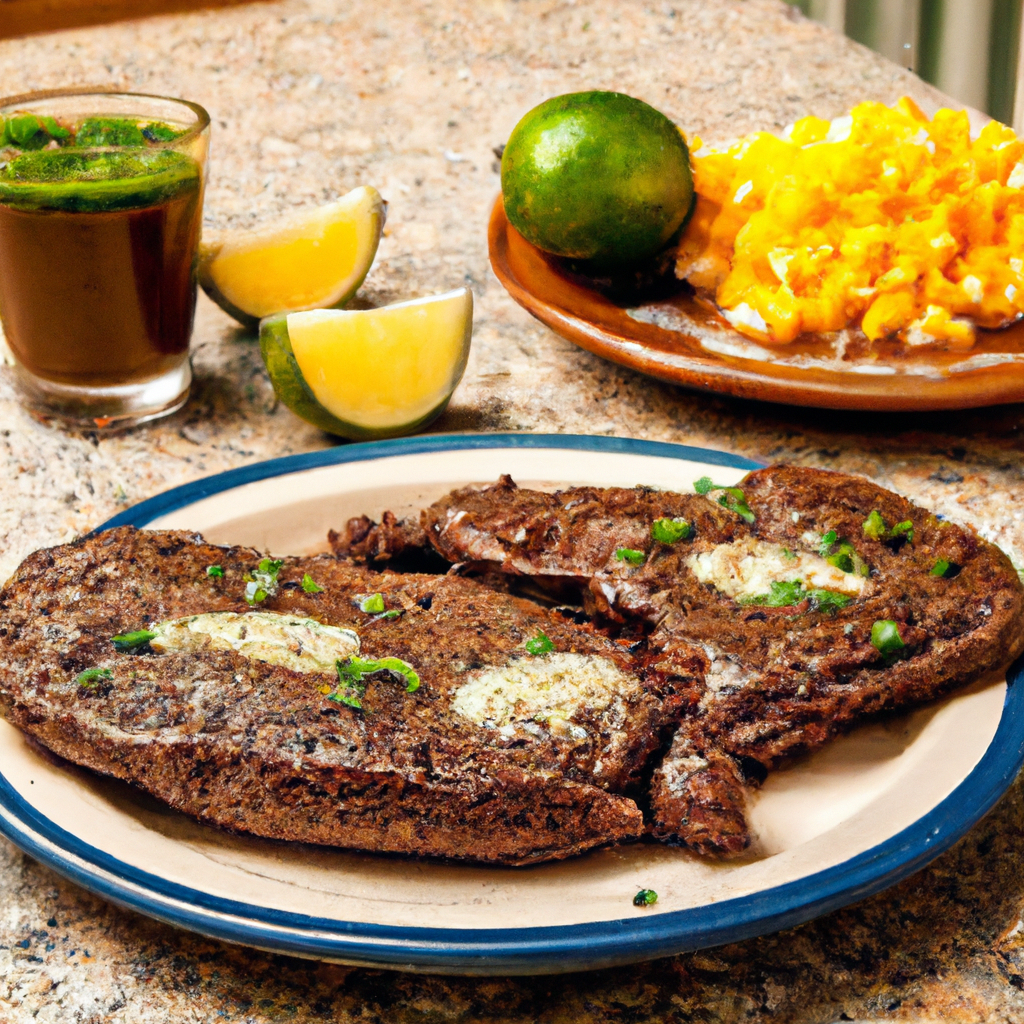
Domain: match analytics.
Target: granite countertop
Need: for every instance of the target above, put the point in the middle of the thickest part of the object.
(310, 98)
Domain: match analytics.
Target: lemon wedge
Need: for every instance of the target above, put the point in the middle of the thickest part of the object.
(370, 373)
(306, 260)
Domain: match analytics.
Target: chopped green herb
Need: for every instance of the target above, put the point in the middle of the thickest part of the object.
(215, 571)
(539, 644)
(91, 676)
(128, 643)
(262, 583)
(645, 898)
(24, 131)
(670, 531)
(392, 613)
(54, 130)
(352, 672)
(731, 498)
(904, 529)
(373, 604)
(874, 527)
(781, 594)
(159, 132)
(109, 131)
(309, 585)
(827, 600)
(630, 555)
(885, 636)
(940, 568)
(788, 555)
(845, 557)
(785, 593)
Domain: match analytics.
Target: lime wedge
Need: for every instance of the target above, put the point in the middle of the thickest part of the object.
(370, 373)
(307, 260)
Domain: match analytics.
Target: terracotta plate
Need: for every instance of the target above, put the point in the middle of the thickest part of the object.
(858, 816)
(684, 341)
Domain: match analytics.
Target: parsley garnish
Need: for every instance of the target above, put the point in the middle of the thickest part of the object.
(129, 643)
(91, 676)
(539, 644)
(630, 555)
(845, 557)
(215, 571)
(785, 593)
(373, 604)
(731, 498)
(309, 585)
(874, 527)
(669, 531)
(947, 570)
(392, 613)
(352, 672)
(262, 583)
(885, 636)
(159, 132)
(645, 898)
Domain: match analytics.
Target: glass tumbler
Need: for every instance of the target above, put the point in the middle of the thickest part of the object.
(101, 197)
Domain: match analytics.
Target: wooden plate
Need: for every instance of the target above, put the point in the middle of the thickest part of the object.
(683, 341)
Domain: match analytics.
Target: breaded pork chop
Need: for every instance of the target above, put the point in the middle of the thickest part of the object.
(819, 598)
(404, 713)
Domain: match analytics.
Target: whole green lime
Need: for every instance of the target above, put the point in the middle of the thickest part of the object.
(597, 176)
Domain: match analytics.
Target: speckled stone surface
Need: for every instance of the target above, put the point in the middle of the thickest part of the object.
(310, 98)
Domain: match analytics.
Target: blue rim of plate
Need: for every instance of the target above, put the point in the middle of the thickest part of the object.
(513, 950)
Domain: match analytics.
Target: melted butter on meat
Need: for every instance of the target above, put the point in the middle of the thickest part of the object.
(303, 645)
(550, 689)
(748, 567)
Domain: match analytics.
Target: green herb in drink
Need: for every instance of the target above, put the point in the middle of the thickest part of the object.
(109, 131)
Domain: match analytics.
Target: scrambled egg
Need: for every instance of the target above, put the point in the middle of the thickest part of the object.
(882, 220)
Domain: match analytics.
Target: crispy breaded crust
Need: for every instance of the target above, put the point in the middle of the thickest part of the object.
(259, 748)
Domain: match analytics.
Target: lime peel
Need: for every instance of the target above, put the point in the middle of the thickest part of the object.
(370, 373)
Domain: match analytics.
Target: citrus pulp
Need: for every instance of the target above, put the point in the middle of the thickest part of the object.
(370, 373)
(306, 260)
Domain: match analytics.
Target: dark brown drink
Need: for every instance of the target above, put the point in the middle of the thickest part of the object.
(100, 215)
(100, 298)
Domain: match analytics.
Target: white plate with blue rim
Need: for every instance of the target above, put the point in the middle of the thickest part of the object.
(857, 816)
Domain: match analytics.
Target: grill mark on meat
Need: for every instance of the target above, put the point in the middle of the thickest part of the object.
(256, 747)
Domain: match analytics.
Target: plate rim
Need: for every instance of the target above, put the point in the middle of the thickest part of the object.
(537, 950)
(711, 372)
